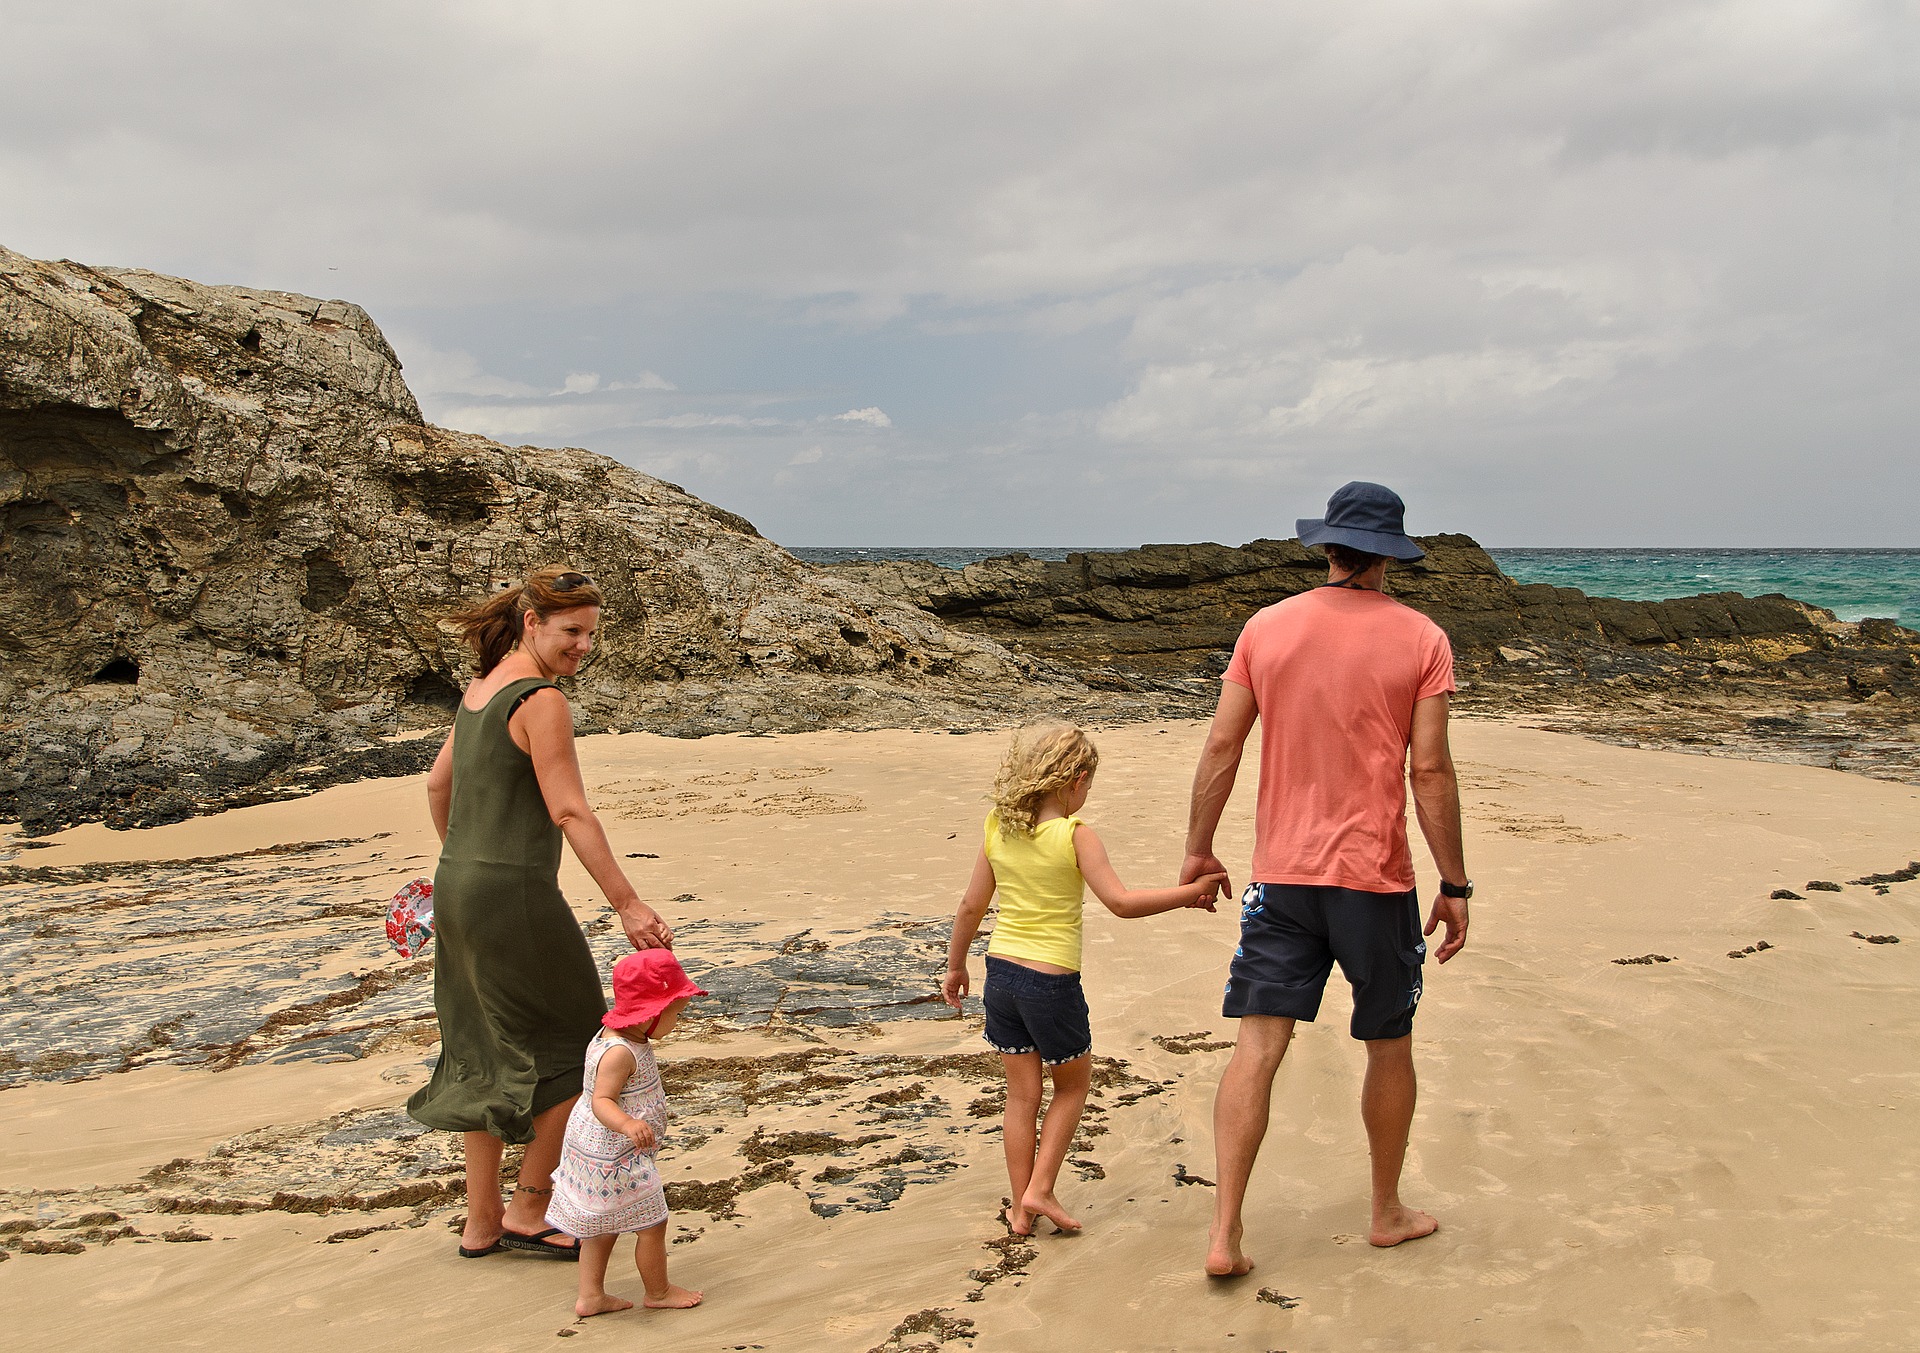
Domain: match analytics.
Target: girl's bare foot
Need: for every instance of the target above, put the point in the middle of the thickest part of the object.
(1224, 1256)
(600, 1305)
(1048, 1206)
(1401, 1223)
(674, 1299)
(1019, 1221)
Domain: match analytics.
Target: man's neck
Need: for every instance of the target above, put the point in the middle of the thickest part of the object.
(1370, 580)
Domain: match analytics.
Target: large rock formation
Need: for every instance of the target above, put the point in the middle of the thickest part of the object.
(1171, 609)
(1748, 676)
(228, 545)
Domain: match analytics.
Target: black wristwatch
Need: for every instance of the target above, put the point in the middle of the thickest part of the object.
(1463, 891)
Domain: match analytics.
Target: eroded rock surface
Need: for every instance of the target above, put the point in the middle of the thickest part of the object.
(1753, 676)
(228, 544)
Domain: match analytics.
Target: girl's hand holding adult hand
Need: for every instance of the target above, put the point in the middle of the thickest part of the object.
(645, 929)
(1207, 890)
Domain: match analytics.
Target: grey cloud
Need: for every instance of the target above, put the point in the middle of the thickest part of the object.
(1532, 260)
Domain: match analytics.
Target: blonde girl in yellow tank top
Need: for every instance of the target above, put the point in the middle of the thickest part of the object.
(1039, 857)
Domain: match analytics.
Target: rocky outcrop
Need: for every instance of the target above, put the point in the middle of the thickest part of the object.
(1765, 676)
(1171, 609)
(228, 545)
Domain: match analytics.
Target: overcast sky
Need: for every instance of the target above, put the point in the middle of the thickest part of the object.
(1577, 273)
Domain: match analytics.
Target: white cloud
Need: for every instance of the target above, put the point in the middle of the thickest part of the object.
(580, 383)
(871, 416)
(646, 380)
(436, 373)
(811, 456)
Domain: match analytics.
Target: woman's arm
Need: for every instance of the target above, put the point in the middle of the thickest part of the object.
(440, 788)
(548, 725)
(966, 924)
(616, 1065)
(1121, 900)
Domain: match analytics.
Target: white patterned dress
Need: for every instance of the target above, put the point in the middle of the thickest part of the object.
(604, 1185)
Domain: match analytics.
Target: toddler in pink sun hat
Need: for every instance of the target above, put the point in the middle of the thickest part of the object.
(607, 1182)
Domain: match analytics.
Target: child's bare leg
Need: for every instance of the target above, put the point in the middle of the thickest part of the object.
(650, 1257)
(1018, 1129)
(1070, 1081)
(594, 1253)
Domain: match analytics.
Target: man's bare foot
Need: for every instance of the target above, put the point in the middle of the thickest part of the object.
(675, 1299)
(1019, 1221)
(1400, 1224)
(600, 1305)
(1048, 1206)
(1224, 1256)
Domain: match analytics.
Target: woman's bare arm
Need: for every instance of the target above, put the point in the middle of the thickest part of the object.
(548, 725)
(1121, 900)
(440, 788)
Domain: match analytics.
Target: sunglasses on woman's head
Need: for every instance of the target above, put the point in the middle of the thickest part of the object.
(568, 582)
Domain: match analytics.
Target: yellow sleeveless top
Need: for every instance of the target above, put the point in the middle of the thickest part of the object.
(1037, 879)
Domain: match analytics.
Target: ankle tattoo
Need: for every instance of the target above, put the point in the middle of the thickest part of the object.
(528, 1188)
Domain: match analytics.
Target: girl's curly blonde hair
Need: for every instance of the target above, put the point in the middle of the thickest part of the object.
(1041, 761)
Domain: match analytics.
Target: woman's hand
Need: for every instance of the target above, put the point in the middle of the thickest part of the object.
(640, 1134)
(645, 929)
(953, 987)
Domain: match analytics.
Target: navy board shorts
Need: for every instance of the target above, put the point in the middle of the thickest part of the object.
(1041, 1012)
(1291, 935)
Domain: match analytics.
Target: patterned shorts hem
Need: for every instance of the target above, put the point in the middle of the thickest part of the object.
(1009, 1052)
(1062, 1061)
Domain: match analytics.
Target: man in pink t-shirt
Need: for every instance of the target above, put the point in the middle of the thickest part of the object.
(1347, 685)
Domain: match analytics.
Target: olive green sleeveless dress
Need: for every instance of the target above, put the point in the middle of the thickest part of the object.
(514, 983)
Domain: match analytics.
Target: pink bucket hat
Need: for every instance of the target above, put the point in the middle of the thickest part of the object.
(646, 982)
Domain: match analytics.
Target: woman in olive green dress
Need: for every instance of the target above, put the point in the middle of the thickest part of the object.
(514, 983)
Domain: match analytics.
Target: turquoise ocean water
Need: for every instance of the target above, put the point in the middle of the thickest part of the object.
(1853, 584)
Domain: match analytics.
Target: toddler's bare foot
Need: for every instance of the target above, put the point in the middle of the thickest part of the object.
(1048, 1206)
(1401, 1223)
(604, 1304)
(1019, 1221)
(1224, 1256)
(673, 1299)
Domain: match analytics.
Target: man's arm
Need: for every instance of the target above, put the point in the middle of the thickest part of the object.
(1213, 780)
(1436, 802)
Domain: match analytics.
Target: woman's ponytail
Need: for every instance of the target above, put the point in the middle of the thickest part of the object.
(492, 627)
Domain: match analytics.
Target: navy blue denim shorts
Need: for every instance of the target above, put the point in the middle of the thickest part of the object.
(1041, 1012)
(1291, 935)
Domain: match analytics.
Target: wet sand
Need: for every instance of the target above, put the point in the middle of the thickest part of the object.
(208, 1041)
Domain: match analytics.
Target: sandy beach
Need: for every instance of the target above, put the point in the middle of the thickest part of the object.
(209, 1042)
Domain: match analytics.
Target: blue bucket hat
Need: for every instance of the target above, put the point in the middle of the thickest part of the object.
(1362, 516)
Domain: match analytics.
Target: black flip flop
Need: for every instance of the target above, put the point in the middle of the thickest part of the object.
(537, 1244)
(480, 1253)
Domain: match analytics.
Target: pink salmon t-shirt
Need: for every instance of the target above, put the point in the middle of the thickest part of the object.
(1336, 673)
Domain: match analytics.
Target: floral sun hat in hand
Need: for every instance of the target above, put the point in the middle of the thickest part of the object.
(645, 983)
(410, 918)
